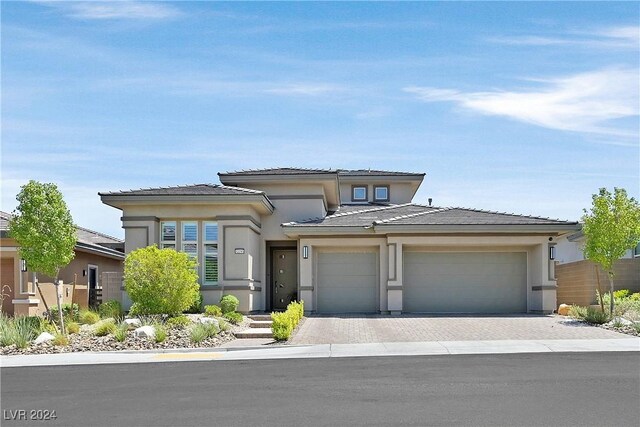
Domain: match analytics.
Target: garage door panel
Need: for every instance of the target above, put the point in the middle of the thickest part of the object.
(347, 282)
(472, 282)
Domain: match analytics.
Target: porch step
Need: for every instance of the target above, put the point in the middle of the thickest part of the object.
(261, 324)
(255, 333)
(260, 317)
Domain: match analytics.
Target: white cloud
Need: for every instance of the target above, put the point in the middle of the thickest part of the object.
(621, 37)
(585, 102)
(304, 89)
(121, 9)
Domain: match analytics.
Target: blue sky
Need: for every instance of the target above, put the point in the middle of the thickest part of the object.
(517, 107)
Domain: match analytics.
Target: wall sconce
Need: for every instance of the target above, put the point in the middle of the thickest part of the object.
(23, 266)
(305, 252)
(552, 253)
(84, 273)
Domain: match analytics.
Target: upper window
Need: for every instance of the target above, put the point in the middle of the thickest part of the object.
(168, 235)
(359, 193)
(381, 193)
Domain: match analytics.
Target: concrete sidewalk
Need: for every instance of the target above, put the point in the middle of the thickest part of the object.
(329, 350)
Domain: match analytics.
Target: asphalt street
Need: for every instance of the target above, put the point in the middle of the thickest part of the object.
(585, 389)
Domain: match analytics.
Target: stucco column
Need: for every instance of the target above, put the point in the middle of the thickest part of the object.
(543, 285)
(394, 282)
(306, 275)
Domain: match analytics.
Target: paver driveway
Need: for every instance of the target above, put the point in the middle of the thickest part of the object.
(344, 329)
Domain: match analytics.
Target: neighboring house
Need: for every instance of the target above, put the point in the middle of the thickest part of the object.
(346, 241)
(577, 278)
(96, 256)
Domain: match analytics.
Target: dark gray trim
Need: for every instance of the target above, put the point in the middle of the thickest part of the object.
(366, 192)
(140, 218)
(544, 288)
(238, 218)
(395, 260)
(388, 193)
(306, 288)
(395, 288)
(241, 287)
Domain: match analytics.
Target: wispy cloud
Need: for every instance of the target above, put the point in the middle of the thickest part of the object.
(584, 103)
(305, 89)
(125, 9)
(621, 37)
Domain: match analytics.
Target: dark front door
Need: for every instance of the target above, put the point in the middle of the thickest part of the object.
(285, 278)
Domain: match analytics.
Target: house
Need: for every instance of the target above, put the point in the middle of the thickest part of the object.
(578, 278)
(346, 241)
(97, 256)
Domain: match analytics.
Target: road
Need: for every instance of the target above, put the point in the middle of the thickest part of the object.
(599, 389)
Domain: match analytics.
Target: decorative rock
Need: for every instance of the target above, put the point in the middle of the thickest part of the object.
(44, 337)
(145, 332)
(133, 323)
(563, 310)
(622, 321)
(209, 320)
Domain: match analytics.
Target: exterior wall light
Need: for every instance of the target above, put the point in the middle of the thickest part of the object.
(305, 252)
(23, 265)
(552, 253)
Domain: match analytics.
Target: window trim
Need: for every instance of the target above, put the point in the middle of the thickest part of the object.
(366, 193)
(636, 251)
(205, 242)
(375, 195)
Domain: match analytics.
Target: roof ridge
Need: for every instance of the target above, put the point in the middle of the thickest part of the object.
(512, 214)
(239, 171)
(378, 208)
(99, 233)
(167, 187)
(433, 210)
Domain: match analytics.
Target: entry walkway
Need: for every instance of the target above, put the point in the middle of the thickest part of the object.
(352, 329)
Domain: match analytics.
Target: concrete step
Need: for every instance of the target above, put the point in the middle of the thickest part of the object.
(255, 333)
(260, 324)
(259, 317)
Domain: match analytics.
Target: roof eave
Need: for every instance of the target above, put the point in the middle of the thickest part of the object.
(120, 200)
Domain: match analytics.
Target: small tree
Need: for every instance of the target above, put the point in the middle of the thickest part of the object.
(611, 228)
(43, 228)
(160, 281)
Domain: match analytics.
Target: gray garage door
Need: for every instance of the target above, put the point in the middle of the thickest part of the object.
(347, 282)
(480, 282)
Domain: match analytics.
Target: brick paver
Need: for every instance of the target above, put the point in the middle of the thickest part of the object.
(345, 329)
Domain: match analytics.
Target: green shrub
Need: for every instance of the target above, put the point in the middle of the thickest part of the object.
(69, 311)
(196, 307)
(233, 317)
(284, 323)
(120, 334)
(636, 326)
(160, 332)
(73, 327)
(160, 281)
(178, 321)
(224, 326)
(578, 312)
(297, 308)
(111, 308)
(202, 331)
(212, 311)
(19, 331)
(88, 317)
(620, 294)
(596, 316)
(105, 327)
(229, 303)
(60, 340)
(635, 296)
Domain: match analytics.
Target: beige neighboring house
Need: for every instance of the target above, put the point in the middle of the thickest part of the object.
(98, 258)
(578, 278)
(346, 241)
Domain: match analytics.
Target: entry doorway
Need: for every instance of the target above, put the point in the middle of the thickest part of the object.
(284, 278)
(92, 282)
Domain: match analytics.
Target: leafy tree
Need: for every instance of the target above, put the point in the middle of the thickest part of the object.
(160, 281)
(611, 228)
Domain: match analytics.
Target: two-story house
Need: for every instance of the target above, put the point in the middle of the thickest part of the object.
(346, 241)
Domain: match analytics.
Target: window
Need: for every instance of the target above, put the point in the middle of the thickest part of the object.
(190, 238)
(210, 252)
(381, 193)
(168, 235)
(359, 194)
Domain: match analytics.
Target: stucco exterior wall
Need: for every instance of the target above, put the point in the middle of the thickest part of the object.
(398, 192)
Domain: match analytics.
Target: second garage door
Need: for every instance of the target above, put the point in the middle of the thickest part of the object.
(347, 282)
(469, 282)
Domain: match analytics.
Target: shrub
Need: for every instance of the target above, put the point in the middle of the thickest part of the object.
(69, 311)
(578, 312)
(105, 327)
(111, 308)
(297, 308)
(596, 316)
(73, 327)
(284, 323)
(60, 340)
(196, 307)
(224, 326)
(19, 331)
(620, 294)
(160, 332)
(160, 281)
(88, 317)
(212, 311)
(120, 334)
(636, 326)
(233, 317)
(178, 321)
(202, 331)
(229, 303)
(635, 296)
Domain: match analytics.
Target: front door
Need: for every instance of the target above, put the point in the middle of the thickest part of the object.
(285, 278)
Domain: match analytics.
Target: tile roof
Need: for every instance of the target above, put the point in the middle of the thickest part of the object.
(372, 172)
(414, 214)
(305, 171)
(186, 190)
